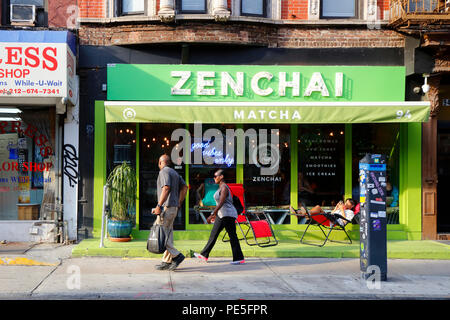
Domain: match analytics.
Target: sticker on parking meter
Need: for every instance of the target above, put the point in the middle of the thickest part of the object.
(376, 224)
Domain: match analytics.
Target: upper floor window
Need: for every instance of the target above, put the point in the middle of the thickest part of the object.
(338, 9)
(191, 6)
(131, 7)
(254, 8)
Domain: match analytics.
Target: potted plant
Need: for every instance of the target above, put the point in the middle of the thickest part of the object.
(122, 199)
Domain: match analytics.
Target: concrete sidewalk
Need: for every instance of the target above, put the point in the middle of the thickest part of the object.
(287, 248)
(62, 277)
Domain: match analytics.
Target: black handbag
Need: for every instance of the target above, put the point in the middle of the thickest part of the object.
(157, 239)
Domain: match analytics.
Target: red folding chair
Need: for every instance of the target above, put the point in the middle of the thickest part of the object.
(261, 228)
(325, 221)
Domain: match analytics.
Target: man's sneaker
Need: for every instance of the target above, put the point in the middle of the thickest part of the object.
(199, 256)
(176, 262)
(238, 262)
(163, 266)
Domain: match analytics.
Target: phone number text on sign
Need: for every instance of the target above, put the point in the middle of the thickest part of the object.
(30, 91)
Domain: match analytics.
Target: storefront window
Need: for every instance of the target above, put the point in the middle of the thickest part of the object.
(202, 169)
(268, 192)
(26, 162)
(155, 140)
(121, 145)
(379, 139)
(321, 157)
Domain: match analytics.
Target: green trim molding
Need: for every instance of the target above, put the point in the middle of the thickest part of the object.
(410, 204)
(99, 164)
(294, 171)
(348, 161)
(137, 172)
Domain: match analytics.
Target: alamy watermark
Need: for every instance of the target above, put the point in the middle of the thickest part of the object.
(373, 281)
(73, 282)
(260, 148)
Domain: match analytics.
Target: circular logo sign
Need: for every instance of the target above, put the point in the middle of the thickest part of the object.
(129, 114)
(267, 157)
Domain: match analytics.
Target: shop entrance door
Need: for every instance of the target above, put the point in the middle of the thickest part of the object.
(8, 177)
(443, 187)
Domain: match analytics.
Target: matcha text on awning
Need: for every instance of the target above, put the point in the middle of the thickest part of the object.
(267, 112)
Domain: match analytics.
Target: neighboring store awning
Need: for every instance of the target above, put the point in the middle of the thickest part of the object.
(38, 68)
(267, 112)
(40, 36)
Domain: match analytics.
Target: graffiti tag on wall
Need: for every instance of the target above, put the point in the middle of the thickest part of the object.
(70, 164)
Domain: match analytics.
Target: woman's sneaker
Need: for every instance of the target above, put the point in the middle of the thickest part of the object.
(199, 256)
(238, 262)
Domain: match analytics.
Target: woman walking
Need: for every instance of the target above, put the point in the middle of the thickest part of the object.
(225, 215)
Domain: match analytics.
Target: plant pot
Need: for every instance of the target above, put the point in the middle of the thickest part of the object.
(119, 231)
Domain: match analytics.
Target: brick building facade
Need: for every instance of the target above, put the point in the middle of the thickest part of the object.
(285, 24)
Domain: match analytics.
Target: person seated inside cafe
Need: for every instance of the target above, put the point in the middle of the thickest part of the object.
(205, 192)
(391, 195)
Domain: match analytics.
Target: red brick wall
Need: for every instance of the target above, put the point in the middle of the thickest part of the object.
(383, 5)
(92, 8)
(237, 33)
(294, 9)
(58, 15)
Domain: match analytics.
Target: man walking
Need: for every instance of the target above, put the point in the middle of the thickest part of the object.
(172, 190)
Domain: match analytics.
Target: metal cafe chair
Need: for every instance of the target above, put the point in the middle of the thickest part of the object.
(324, 221)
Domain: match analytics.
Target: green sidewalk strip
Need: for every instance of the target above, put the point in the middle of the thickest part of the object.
(288, 248)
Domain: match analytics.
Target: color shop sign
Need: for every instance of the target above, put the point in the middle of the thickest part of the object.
(36, 70)
(26, 166)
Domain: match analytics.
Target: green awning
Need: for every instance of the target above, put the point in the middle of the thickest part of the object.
(267, 112)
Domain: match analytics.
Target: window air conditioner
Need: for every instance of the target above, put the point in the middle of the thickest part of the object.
(23, 14)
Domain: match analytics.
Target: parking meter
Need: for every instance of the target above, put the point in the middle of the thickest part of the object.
(373, 246)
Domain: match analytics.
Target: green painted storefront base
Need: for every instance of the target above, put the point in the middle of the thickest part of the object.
(288, 247)
(285, 232)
